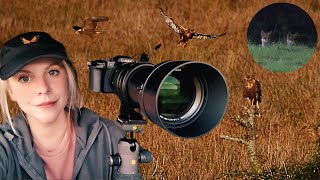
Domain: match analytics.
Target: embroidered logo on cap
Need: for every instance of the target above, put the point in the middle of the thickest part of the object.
(26, 41)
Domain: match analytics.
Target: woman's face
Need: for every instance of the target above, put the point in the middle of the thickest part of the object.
(41, 90)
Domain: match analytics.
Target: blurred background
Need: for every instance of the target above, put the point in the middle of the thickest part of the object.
(289, 126)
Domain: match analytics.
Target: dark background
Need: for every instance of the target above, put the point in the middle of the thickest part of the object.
(281, 18)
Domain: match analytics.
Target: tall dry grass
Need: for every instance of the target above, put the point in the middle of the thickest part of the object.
(290, 105)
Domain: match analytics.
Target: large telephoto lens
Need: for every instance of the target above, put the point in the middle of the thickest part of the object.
(184, 97)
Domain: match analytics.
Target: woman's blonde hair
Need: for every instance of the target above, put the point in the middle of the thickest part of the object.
(74, 101)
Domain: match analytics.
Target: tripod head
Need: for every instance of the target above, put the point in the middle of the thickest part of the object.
(130, 154)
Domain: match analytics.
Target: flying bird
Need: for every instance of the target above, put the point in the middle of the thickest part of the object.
(90, 26)
(145, 57)
(157, 46)
(186, 33)
(252, 90)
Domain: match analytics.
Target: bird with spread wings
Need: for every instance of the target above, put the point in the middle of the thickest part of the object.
(90, 25)
(185, 33)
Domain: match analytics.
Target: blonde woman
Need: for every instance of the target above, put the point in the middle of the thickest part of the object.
(53, 137)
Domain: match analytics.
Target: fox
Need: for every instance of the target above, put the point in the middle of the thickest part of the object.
(266, 38)
(293, 39)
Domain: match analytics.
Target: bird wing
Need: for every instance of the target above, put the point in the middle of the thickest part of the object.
(76, 28)
(247, 93)
(176, 27)
(157, 46)
(206, 36)
(100, 31)
(258, 91)
(99, 18)
(89, 25)
(92, 22)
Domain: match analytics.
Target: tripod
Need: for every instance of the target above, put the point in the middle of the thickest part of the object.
(130, 154)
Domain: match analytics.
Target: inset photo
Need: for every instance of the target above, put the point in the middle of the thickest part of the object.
(282, 37)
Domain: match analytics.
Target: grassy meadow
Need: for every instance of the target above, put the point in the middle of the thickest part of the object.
(290, 111)
(281, 58)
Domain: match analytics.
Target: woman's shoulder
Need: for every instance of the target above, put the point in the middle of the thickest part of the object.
(92, 117)
(5, 149)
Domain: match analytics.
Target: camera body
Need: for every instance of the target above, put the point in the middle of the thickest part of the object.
(100, 71)
(121, 75)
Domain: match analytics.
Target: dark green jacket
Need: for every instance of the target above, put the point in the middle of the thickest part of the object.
(96, 139)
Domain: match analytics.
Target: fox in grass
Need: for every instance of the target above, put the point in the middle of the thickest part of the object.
(266, 38)
(294, 39)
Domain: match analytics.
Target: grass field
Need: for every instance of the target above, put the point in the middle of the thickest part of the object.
(281, 58)
(290, 109)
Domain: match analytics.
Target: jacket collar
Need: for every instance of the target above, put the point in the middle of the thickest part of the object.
(85, 121)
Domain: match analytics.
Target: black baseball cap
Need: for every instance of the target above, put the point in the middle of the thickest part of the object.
(25, 48)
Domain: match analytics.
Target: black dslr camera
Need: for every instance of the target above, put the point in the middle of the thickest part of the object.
(186, 98)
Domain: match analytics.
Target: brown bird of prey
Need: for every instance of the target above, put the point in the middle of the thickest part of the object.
(186, 34)
(252, 90)
(90, 26)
